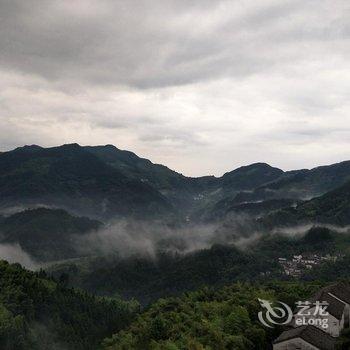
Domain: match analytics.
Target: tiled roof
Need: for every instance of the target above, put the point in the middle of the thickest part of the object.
(341, 290)
(311, 335)
(335, 307)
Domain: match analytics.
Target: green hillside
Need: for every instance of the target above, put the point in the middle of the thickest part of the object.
(209, 318)
(38, 313)
(46, 234)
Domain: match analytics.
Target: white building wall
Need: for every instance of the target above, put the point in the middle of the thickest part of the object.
(347, 316)
(294, 344)
(335, 326)
(346, 321)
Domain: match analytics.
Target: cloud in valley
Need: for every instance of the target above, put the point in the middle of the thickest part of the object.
(126, 238)
(13, 253)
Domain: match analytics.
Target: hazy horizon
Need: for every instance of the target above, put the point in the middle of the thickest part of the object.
(200, 175)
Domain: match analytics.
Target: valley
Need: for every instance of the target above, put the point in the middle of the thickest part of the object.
(106, 227)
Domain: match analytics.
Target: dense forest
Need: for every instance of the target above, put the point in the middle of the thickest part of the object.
(209, 318)
(39, 313)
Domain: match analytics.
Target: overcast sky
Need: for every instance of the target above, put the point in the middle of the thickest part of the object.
(201, 86)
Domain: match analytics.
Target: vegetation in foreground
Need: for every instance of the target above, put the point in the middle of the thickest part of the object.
(225, 318)
(38, 313)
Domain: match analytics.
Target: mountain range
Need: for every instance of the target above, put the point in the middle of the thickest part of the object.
(104, 182)
(51, 197)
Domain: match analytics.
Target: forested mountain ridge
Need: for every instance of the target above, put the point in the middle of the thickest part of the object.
(313, 182)
(73, 178)
(296, 185)
(105, 182)
(331, 208)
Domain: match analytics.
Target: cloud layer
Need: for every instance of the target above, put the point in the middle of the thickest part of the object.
(202, 86)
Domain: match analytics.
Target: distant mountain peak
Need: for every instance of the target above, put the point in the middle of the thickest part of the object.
(251, 176)
(109, 146)
(28, 148)
(258, 165)
(253, 166)
(70, 145)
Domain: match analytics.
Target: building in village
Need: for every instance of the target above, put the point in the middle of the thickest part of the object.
(298, 264)
(312, 335)
(304, 338)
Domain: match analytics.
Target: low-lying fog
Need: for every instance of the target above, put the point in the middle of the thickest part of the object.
(125, 238)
